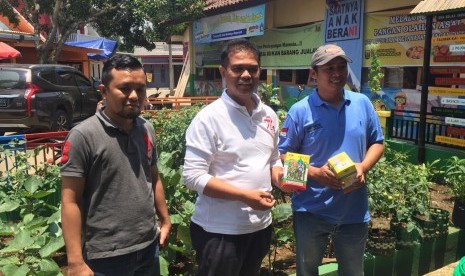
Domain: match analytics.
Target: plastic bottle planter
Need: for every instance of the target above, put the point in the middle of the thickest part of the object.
(381, 242)
(404, 237)
(458, 214)
(435, 226)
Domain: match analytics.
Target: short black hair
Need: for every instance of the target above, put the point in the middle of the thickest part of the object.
(236, 45)
(119, 62)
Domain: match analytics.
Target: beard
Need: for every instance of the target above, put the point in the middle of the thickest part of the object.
(132, 114)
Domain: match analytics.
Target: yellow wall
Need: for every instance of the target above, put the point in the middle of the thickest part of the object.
(284, 13)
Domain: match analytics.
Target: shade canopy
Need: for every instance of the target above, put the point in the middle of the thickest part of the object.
(107, 46)
(6, 51)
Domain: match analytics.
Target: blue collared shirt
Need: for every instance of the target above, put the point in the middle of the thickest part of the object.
(321, 130)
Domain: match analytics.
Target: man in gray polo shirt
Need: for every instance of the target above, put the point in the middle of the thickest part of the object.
(111, 189)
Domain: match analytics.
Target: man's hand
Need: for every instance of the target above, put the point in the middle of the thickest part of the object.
(259, 200)
(325, 177)
(165, 229)
(360, 182)
(79, 269)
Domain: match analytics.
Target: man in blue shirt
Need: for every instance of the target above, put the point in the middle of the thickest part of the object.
(330, 121)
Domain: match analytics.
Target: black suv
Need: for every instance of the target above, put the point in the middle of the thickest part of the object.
(44, 97)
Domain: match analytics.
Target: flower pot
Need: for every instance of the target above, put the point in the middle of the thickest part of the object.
(381, 242)
(458, 214)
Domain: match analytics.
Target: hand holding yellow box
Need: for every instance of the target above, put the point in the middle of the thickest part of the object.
(344, 168)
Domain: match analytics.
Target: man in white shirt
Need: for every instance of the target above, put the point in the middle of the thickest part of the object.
(231, 160)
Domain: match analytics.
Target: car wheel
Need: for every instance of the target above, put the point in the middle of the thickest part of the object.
(60, 121)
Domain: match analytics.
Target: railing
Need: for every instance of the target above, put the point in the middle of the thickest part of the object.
(47, 148)
(179, 102)
(405, 124)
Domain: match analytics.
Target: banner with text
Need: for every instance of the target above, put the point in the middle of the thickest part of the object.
(344, 27)
(243, 23)
(289, 48)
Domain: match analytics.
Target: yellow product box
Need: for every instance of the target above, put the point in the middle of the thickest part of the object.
(295, 170)
(344, 168)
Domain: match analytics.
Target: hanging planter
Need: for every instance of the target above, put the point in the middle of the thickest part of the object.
(381, 242)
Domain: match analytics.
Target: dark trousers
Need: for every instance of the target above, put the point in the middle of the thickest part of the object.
(229, 255)
(144, 262)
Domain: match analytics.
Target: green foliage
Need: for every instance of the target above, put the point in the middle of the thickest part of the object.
(269, 95)
(375, 74)
(180, 202)
(30, 215)
(454, 175)
(398, 189)
(136, 22)
(171, 131)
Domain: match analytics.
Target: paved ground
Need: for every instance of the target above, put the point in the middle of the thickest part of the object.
(448, 270)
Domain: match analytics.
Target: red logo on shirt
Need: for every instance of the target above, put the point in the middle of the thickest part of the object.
(65, 154)
(269, 123)
(149, 145)
(283, 132)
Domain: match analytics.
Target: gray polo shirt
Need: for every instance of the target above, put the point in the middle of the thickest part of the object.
(118, 202)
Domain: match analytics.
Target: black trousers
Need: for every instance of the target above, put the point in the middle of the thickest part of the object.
(229, 255)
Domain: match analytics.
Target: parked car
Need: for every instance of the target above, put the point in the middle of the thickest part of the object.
(44, 97)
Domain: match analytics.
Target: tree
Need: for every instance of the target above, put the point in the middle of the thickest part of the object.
(136, 22)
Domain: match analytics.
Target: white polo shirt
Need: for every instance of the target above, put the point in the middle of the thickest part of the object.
(224, 141)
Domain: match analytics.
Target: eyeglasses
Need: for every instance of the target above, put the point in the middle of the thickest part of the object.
(239, 70)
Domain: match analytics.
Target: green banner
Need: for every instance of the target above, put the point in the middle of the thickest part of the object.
(289, 48)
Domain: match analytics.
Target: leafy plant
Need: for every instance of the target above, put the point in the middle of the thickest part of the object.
(269, 95)
(30, 215)
(398, 189)
(171, 131)
(180, 202)
(375, 75)
(454, 175)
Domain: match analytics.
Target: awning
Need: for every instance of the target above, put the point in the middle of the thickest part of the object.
(428, 7)
(107, 46)
(6, 51)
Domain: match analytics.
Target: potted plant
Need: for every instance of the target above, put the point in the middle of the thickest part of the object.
(454, 175)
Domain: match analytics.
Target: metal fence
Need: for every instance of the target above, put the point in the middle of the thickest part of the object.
(404, 125)
(43, 148)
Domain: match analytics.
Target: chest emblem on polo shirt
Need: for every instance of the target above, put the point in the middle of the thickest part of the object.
(148, 142)
(269, 123)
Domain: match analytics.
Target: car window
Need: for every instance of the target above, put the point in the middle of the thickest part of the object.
(66, 78)
(82, 81)
(49, 76)
(12, 79)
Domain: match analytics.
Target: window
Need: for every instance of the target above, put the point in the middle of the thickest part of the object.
(263, 75)
(163, 74)
(285, 76)
(81, 81)
(65, 78)
(302, 76)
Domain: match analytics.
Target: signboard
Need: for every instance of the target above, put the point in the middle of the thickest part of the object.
(344, 27)
(343, 20)
(401, 37)
(243, 23)
(289, 48)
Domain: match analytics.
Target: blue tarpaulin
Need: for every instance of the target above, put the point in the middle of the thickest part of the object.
(107, 46)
